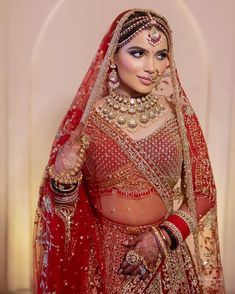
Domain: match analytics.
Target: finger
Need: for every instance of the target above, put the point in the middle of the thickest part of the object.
(128, 270)
(144, 276)
(125, 243)
(129, 243)
(124, 264)
(135, 271)
(133, 242)
(142, 271)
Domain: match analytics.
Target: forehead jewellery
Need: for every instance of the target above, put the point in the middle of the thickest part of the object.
(137, 24)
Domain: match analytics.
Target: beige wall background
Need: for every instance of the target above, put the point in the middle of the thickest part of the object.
(45, 49)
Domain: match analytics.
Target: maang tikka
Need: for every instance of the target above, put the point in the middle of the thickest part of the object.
(154, 37)
(113, 76)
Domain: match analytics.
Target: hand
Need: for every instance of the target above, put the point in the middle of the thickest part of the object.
(146, 246)
(68, 154)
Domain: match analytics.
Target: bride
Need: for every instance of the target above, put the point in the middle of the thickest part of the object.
(128, 200)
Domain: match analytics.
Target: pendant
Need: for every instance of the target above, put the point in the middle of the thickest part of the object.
(154, 38)
(121, 120)
(132, 123)
(144, 118)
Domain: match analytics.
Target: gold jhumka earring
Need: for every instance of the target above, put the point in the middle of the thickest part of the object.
(113, 77)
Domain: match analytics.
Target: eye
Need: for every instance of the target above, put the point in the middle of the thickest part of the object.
(137, 53)
(162, 55)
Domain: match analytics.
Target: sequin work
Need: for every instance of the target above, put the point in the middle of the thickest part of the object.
(179, 264)
(107, 168)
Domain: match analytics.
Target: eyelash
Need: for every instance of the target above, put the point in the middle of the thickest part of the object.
(161, 56)
(133, 53)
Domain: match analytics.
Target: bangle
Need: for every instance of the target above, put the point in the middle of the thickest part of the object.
(164, 238)
(64, 178)
(73, 176)
(64, 193)
(188, 218)
(174, 230)
(174, 242)
(180, 223)
(62, 189)
(159, 239)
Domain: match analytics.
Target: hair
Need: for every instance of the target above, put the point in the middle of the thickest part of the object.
(140, 20)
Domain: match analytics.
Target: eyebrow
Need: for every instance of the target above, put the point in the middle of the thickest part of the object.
(140, 48)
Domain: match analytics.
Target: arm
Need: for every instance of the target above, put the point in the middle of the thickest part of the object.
(197, 175)
(203, 205)
(65, 173)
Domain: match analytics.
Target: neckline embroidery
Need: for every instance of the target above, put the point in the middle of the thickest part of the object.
(146, 138)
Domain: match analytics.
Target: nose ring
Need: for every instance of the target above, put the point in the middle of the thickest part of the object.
(155, 77)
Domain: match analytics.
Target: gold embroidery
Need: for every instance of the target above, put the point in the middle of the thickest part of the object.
(158, 157)
(65, 212)
(178, 264)
(199, 181)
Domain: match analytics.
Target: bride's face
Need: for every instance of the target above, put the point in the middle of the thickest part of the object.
(137, 61)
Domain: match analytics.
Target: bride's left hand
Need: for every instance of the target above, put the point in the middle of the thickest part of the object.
(145, 245)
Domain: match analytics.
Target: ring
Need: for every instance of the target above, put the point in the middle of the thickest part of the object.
(132, 257)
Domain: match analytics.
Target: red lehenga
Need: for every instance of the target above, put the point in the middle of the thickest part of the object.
(77, 249)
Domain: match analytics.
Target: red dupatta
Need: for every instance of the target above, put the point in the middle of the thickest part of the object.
(59, 269)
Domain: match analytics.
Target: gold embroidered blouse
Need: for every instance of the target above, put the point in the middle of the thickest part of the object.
(108, 170)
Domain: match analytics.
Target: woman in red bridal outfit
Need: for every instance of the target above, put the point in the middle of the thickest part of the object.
(128, 200)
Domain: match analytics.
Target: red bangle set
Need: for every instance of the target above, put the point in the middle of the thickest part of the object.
(181, 224)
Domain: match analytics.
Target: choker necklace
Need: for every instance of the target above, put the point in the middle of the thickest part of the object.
(129, 113)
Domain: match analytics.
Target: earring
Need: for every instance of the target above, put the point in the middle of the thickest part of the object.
(113, 77)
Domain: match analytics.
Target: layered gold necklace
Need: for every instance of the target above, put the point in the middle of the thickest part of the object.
(130, 113)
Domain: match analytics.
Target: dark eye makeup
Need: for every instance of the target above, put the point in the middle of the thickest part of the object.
(162, 55)
(139, 52)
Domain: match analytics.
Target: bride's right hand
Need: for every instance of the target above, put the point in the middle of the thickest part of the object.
(68, 154)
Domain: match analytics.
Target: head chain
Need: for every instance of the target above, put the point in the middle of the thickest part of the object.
(151, 21)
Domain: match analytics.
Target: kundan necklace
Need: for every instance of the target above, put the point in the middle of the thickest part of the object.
(129, 113)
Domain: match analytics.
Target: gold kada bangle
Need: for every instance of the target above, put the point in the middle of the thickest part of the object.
(73, 176)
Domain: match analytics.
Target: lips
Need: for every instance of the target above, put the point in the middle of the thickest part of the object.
(145, 80)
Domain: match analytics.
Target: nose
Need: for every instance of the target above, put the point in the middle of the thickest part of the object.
(149, 65)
